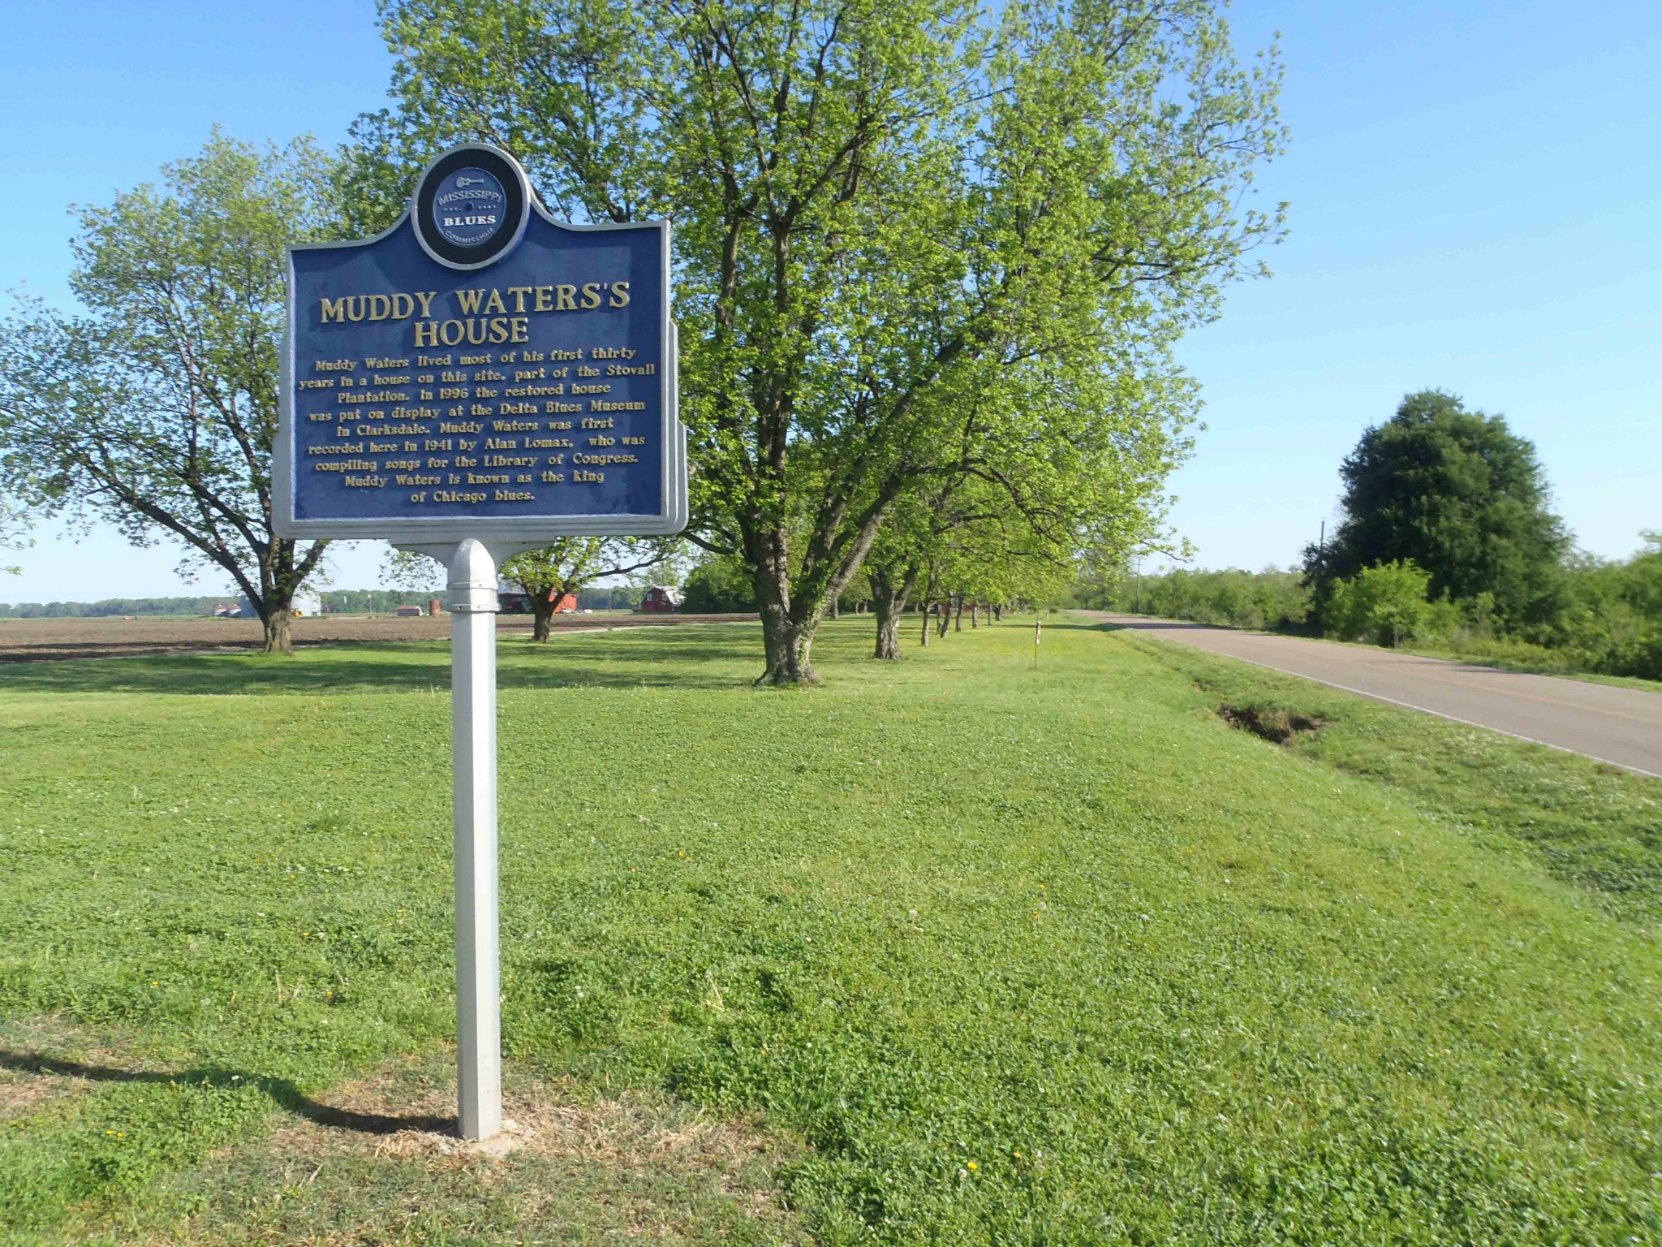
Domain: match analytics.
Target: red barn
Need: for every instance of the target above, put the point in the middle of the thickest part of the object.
(661, 600)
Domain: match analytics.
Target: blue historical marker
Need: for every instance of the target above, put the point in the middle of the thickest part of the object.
(477, 381)
(481, 370)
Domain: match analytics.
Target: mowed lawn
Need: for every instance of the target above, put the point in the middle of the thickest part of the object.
(958, 951)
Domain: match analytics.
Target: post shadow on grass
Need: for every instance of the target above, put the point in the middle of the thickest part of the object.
(281, 1091)
(624, 659)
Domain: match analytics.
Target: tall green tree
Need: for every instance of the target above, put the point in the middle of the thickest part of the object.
(884, 210)
(154, 407)
(1459, 494)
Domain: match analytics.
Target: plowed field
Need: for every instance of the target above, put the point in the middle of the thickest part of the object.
(34, 640)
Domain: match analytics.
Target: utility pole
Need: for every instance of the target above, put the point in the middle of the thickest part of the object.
(1321, 577)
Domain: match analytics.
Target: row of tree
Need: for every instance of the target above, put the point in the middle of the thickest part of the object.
(930, 262)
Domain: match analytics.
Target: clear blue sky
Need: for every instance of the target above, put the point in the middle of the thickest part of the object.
(1474, 190)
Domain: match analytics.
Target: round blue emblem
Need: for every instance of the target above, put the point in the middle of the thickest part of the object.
(470, 207)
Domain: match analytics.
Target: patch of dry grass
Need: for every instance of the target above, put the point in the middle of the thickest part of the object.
(626, 1168)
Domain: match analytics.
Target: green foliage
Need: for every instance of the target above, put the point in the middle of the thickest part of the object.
(155, 409)
(625, 597)
(13, 525)
(915, 240)
(718, 585)
(1231, 597)
(1609, 621)
(1033, 982)
(1384, 605)
(371, 601)
(1463, 497)
(1612, 621)
(110, 606)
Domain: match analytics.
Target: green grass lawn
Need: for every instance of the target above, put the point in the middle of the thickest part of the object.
(952, 952)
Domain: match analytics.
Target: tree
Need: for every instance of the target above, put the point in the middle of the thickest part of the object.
(549, 574)
(885, 210)
(718, 585)
(155, 408)
(1462, 496)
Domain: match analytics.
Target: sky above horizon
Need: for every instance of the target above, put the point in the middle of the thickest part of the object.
(1473, 195)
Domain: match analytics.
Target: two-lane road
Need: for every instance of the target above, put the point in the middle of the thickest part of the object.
(1617, 725)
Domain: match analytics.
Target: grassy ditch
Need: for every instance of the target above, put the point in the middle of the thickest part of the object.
(957, 952)
(1585, 822)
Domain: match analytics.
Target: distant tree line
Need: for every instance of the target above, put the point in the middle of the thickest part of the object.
(373, 601)
(1446, 541)
(112, 606)
(1273, 598)
(343, 601)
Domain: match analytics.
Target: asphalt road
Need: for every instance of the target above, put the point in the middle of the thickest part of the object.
(1622, 726)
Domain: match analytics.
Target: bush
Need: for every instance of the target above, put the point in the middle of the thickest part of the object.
(1385, 605)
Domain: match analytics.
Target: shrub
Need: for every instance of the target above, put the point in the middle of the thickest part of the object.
(1385, 605)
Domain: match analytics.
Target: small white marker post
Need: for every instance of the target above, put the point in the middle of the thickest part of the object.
(1037, 625)
(473, 606)
(472, 565)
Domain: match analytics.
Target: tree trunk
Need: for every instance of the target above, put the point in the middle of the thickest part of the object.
(788, 645)
(889, 595)
(787, 640)
(279, 639)
(888, 631)
(958, 613)
(944, 610)
(542, 614)
(923, 638)
(997, 612)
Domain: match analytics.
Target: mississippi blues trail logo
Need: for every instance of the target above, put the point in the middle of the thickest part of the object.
(469, 207)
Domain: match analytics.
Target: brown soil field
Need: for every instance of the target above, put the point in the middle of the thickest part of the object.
(39, 640)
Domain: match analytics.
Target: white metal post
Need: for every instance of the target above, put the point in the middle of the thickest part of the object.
(473, 606)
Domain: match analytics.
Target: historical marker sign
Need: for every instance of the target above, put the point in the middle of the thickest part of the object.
(481, 370)
(479, 380)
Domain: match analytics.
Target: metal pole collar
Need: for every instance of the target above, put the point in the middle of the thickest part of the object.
(473, 579)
